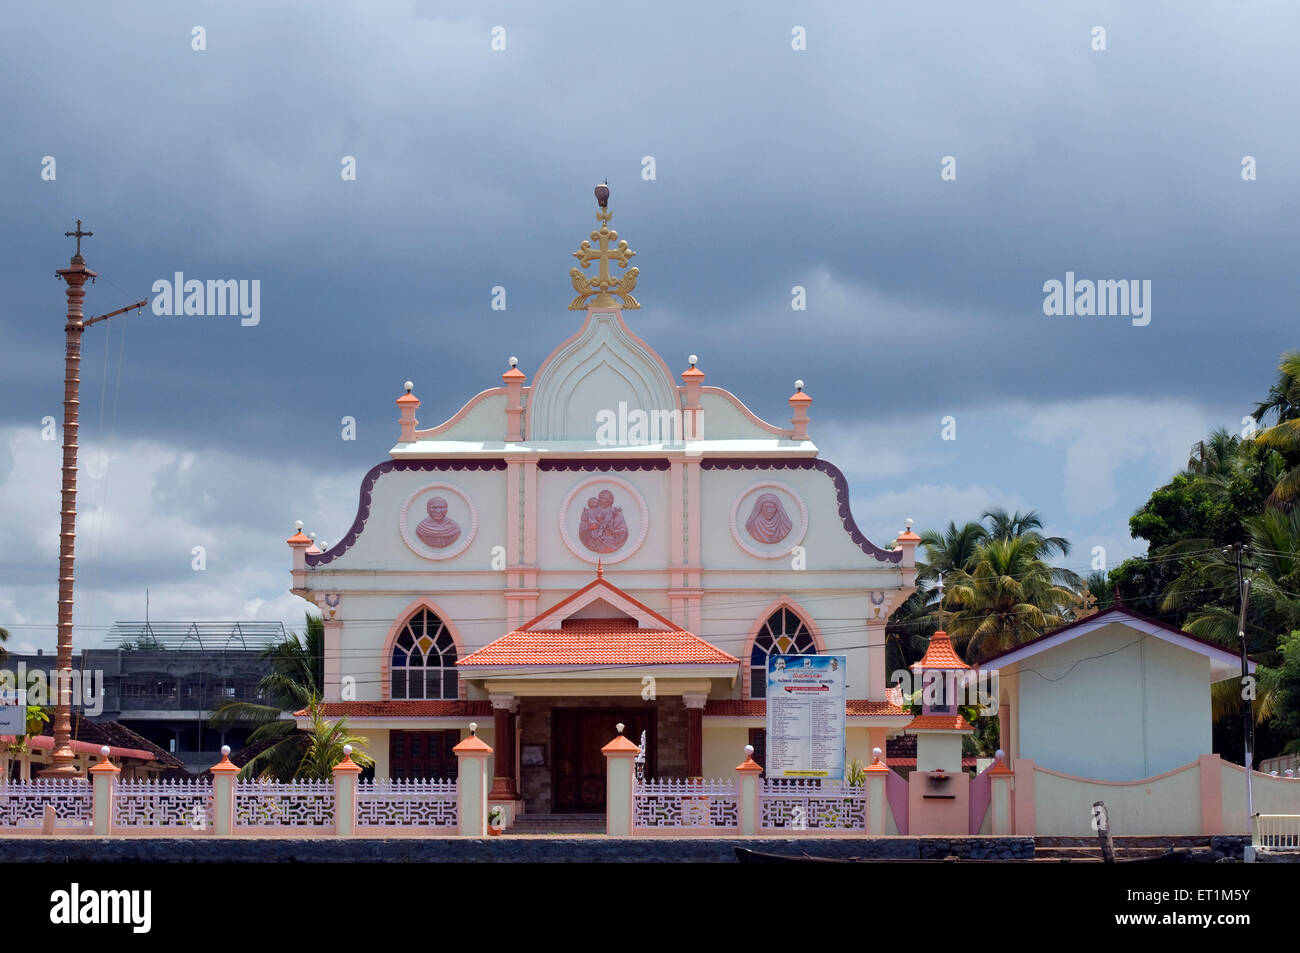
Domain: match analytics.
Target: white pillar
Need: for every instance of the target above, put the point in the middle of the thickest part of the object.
(472, 784)
(620, 771)
(346, 774)
(877, 803)
(223, 794)
(104, 778)
(750, 772)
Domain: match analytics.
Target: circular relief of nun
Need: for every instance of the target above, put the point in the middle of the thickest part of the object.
(769, 520)
(438, 521)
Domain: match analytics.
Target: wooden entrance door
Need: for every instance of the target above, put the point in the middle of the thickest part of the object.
(578, 767)
(422, 755)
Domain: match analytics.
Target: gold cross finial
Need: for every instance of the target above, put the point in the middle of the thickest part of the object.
(603, 290)
(79, 235)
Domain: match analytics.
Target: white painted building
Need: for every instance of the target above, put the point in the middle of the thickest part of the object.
(1114, 697)
(602, 545)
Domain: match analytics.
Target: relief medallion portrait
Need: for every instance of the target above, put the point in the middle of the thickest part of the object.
(768, 520)
(438, 521)
(604, 518)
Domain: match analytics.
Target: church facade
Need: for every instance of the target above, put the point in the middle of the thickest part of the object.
(607, 543)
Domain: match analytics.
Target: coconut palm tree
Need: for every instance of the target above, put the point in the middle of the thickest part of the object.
(1008, 596)
(1284, 436)
(293, 684)
(913, 621)
(4, 637)
(1215, 455)
(1004, 525)
(324, 747)
(1272, 565)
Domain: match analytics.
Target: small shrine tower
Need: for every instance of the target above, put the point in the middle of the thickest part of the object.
(938, 790)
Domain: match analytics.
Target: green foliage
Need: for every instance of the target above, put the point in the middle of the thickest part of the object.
(856, 773)
(324, 748)
(37, 719)
(293, 684)
(999, 589)
(1287, 678)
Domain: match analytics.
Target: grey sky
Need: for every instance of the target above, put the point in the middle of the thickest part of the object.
(774, 168)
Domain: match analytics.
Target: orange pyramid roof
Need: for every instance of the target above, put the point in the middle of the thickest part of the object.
(940, 655)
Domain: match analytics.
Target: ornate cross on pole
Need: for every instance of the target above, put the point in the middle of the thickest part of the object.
(603, 287)
(63, 759)
(79, 235)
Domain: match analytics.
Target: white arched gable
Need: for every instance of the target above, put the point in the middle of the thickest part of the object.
(599, 367)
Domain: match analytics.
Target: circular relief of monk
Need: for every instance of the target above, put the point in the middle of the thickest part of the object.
(604, 519)
(768, 520)
(438, 521)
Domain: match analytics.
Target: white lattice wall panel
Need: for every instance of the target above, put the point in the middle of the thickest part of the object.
(163, 804)
(22, 803)
(401, 803)
(811, 804)
(686, 804)
(284, 804)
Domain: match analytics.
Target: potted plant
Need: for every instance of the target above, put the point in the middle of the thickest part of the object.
(496, 820)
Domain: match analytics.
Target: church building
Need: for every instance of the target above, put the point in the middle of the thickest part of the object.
(607, 543)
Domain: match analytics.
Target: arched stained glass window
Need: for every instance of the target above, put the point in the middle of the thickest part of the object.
(782, 634)
(424, 659)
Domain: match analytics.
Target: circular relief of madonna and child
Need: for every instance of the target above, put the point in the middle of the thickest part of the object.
(604, 519)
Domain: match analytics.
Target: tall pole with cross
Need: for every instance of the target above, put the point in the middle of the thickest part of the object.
(76, 275)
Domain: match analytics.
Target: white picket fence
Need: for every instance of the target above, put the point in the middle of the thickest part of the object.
(811, 804)
(686, 805)
(407, 803)
(22, 803)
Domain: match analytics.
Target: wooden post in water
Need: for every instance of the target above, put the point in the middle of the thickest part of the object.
(1101, 821)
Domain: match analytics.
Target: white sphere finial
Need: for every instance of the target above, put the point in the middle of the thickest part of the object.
(514, 362)
(312, 537)
(324, 545)
(409, 386)
(473, 727)
(749, 751)
(908, 522)
(347, 751)
(999, 754)
(225, 751)
(297, 524)
(875, 753)
(104, 751)
(694, 360)
(798, 385)
(619, 727)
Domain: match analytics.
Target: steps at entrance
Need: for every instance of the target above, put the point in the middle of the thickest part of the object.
(558, 824)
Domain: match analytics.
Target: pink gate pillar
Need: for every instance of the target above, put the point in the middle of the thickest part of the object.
(472, 783)
(104, 778)
(877, 773)
(750, 772)
(620, 769)
(346, 774)
(223, 794)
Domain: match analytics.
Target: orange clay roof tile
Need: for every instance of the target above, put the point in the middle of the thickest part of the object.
(940, 655)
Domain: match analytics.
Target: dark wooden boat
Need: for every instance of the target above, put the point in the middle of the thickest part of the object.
(747, 856)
